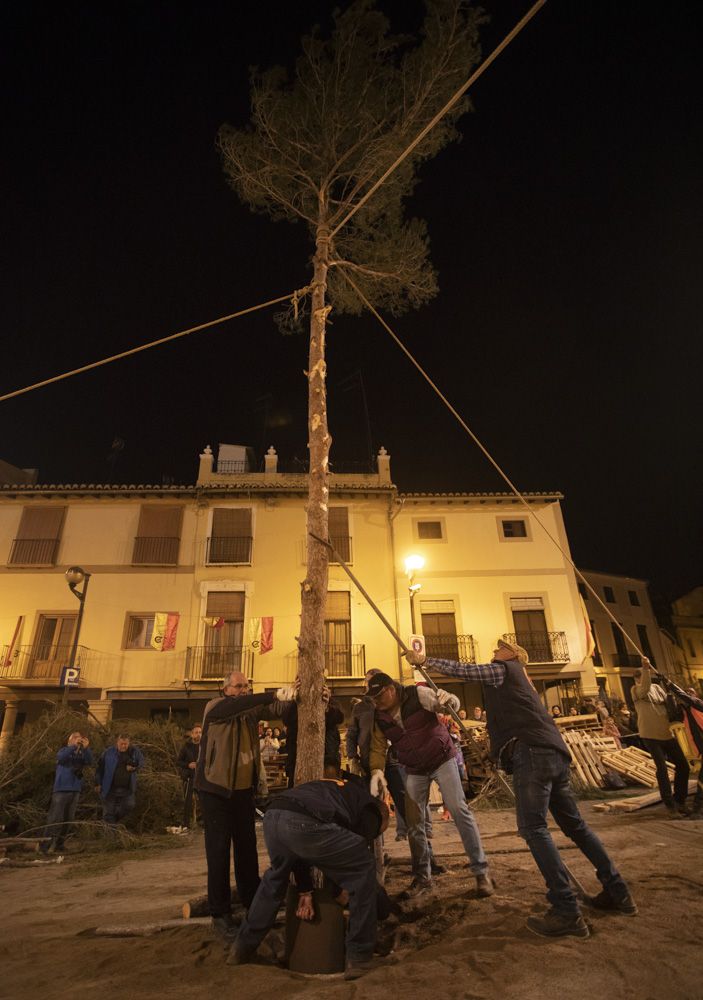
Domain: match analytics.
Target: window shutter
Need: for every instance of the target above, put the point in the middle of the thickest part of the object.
(160, 521)
(41, 522)
(338, 606)
(228, 522)
(429, 529)
(526, 604)
(437, 607)
(227, 604)
(338, 522)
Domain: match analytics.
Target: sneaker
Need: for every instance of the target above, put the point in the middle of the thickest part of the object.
(437, 869)
(672, 812)
(225, 927)
(418, 887)
(238, 955)
(556, 924)
(485, 886)
(605, 901)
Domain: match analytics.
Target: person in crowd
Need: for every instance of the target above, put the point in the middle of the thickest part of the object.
(462, 714)
(692, 704)
(268, 744)
(556, 712)
(526, 742)
(653, 722)
(186, 764)
(478, 714)
(328, 824)
(68, 784)
(116, 779)
(602, 711)
(573, 711)
(407, 718)
(334, 717)
(228, 775)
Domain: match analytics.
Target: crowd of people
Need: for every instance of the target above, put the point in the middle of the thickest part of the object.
(399, 740)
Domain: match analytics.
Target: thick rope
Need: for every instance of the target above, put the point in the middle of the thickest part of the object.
(293, 297)
(513, 488)
(440, 114)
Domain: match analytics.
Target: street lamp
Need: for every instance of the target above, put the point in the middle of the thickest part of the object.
(413, 563)
(75, 576)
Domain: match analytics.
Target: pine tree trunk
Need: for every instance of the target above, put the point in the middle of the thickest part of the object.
(311, 651)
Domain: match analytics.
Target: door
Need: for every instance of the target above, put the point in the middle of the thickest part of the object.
(52, 645)
(439, 630)
(531, 633)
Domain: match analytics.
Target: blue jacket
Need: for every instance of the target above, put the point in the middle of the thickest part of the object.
(107, 765)
(70, 762)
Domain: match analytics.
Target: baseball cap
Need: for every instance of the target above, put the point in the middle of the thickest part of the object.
(377, 683)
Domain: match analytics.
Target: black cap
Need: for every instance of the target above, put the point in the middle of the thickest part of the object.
(377, 683)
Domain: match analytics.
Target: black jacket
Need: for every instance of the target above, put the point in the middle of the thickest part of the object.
(188, 755)
(345, 803)
(334, 717)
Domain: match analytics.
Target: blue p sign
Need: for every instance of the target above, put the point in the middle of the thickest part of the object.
(70, 676)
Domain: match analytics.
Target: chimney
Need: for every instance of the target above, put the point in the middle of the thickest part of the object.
(270, 462)
(383, 460)
(205, 468)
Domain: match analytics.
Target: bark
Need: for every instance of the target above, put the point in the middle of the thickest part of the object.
(311, 653)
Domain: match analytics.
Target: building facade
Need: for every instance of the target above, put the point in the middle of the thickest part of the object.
(182, 579)
(688, 622)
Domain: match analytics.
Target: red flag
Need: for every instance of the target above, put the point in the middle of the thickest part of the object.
(266, 635)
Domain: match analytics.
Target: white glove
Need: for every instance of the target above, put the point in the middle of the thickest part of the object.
(415, 659)
(444, 697)
(378, 786)
(286, 693)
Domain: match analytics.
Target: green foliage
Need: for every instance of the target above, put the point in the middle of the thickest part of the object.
(28, 766)
(321, 136)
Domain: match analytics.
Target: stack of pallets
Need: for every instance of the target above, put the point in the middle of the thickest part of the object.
(635, 764)
(586, 756)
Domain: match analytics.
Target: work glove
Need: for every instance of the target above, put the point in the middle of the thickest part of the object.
(415, 659)
(444, 697)
(354, 767)
(286, 693)
(378, 786)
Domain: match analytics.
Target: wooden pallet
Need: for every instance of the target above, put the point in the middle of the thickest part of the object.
(586, 750)
(635, 764)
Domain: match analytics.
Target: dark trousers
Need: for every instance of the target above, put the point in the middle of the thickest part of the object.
(230, 823)
(541, 783)
(661, 751)
(61, 814)
(191, 804)
(341, 855)
(118, 803)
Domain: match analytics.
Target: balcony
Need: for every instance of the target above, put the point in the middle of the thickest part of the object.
(228, 550)
(624, 660)
(343, 545)
(33, 552)
(212, 663)
(461, 648)
(345, 661)
(542, 647)
(159, 551)
(38, 663)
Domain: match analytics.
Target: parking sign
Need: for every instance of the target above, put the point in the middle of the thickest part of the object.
(70, 676)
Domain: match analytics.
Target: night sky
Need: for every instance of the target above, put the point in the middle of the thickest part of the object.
(565, 227)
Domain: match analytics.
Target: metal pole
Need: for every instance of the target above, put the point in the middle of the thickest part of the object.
(426, 676)
(411, 591)
(79, 621)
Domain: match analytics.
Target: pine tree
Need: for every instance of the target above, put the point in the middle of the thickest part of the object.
(319, 137)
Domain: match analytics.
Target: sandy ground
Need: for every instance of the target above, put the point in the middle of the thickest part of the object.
(456, 946)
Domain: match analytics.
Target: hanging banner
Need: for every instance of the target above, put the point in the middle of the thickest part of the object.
(261, 634)
(165, 628)
(590, 640)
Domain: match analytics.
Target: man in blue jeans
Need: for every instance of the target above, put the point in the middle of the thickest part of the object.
(328, 824)
(68, 783)
(525, 740)
(116, 779)
(407, 718)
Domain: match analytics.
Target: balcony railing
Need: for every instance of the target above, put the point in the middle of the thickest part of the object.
(345, 661)
(33, 552)
(542, 647)
(624, 660)
(343, 545)
(38, 662)
(452, 647)
(229, 467)
(205, 663)
(228, 549)
(152, 551)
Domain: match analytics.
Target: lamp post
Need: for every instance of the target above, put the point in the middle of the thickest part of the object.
(413, 563)
(75, 576)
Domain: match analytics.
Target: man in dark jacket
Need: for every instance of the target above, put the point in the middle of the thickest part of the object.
(334, 717)
(186, 764)
(68, 784)
(407, 718)
(228, 776)
(525, 741)
(327, 824)
(116, 779)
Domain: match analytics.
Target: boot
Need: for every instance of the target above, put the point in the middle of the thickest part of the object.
(556, 924)
(238, 955)
(418, 887)
(605, 901)
(225, 927)
(485, 886)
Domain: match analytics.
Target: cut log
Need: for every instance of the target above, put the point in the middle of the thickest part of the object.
(198, 907)
(146, 930)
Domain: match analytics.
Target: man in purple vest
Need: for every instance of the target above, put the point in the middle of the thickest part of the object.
(407, 718)
(526, 742)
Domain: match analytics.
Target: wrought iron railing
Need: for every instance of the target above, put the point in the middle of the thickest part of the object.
(229, 467)
(542, 647)
(625, 660)
(204, 663)
(345, 661)
(228, 549)
(151, 551)
(343, 545)
(42, 661)
(452, 647)
(33, 552)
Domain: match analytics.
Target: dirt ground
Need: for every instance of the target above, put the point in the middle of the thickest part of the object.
(454, 946)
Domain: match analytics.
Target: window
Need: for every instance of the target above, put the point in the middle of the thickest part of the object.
(530, 626)
(230, 540)
(222, 651)
(439, 629)
(619, 640)
(138, 631)
(634, 599)
(158, 536)
(582, 590)
(514, 529)
(691, 648)
(38, 537)
(429, 529)
(338, 650)
(645, 644)
(52, 644)
(338, 529)
(609, 595)
(597, 658)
